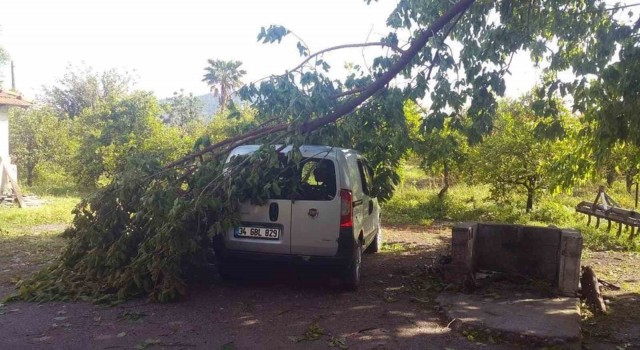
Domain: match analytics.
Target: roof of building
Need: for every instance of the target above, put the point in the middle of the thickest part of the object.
(11, 98)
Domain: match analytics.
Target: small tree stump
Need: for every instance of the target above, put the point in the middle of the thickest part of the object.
(591, 290)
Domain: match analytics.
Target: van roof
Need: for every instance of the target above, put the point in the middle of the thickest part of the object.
(306, 150)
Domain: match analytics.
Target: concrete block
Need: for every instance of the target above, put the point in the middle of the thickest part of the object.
(462, 256)
(463, 244)
(569, 262)
(545, 253)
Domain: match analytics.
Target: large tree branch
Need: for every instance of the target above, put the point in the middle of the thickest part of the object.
(396, 68)
(345, 46)
(350, 105)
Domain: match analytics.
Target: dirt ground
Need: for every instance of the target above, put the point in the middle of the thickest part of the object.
(279, 307)
(619, 328)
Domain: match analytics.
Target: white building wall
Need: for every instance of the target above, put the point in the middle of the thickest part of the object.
(4, 132)
(5, 188)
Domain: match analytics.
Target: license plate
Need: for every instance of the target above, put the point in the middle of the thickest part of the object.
(257, 232)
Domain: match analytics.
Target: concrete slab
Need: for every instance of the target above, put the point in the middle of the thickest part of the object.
(556, 320)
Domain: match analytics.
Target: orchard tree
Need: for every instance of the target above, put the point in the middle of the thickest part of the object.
(443, 148)
(117, 131)
(224, 77)
(623, 159)
(37, 136)
(81, 88)
(182, 109)
(517, 156)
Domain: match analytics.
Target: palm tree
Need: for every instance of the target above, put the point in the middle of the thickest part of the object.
(223, 77)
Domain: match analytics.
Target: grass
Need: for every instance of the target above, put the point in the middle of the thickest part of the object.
(416, 203)
(31, 237)
(56, 210)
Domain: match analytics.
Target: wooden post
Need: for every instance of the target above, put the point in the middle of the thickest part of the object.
(619, 230)
(591, 290)
(14, 185)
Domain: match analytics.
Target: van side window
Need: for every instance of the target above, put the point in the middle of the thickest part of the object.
(365, 179)
(318, 180)
(368, 174)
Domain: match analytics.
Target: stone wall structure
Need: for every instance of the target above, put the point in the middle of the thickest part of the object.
(544, 253)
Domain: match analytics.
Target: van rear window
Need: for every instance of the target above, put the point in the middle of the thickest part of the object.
(317, 180)
(311, 179)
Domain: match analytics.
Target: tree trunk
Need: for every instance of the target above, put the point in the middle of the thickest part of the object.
(445, 179)
(530, 194)
(628, 178)
(591, 290)
(611, 176)
(30, 168)
(223, 104)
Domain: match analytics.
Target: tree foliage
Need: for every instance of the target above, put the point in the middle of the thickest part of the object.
(37, 136)
(118, 130)
(182, 110)
(518, 156)
(81, 88)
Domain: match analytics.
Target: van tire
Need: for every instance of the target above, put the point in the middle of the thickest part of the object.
(376, 244)
(351, 278)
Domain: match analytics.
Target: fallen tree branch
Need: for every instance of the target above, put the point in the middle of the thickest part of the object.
(350, 105)
(246, 137)
(397, 67)
(346, 46)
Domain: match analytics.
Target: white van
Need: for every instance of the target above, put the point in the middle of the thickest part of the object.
(332, 221)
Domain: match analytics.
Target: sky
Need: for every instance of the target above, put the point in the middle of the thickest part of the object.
(165, 44)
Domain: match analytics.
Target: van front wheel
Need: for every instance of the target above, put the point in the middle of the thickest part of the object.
(351, 277)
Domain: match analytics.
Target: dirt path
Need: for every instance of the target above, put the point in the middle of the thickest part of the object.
(274, 308)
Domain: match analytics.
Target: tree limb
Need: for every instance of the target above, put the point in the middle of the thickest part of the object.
(350, 105)
(396, 68)
(346, 46)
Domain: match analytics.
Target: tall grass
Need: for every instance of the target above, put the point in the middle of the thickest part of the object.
(416, 203)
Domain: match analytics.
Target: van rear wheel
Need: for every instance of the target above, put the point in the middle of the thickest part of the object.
(351, 277)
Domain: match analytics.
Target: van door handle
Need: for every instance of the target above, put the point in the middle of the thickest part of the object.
(370, 207)
(273, 211)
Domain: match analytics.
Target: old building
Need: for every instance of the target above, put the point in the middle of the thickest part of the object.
(7, 100)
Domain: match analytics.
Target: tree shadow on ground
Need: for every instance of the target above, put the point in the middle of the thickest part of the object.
(272, 306)
(25, 253)
(619, 327)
